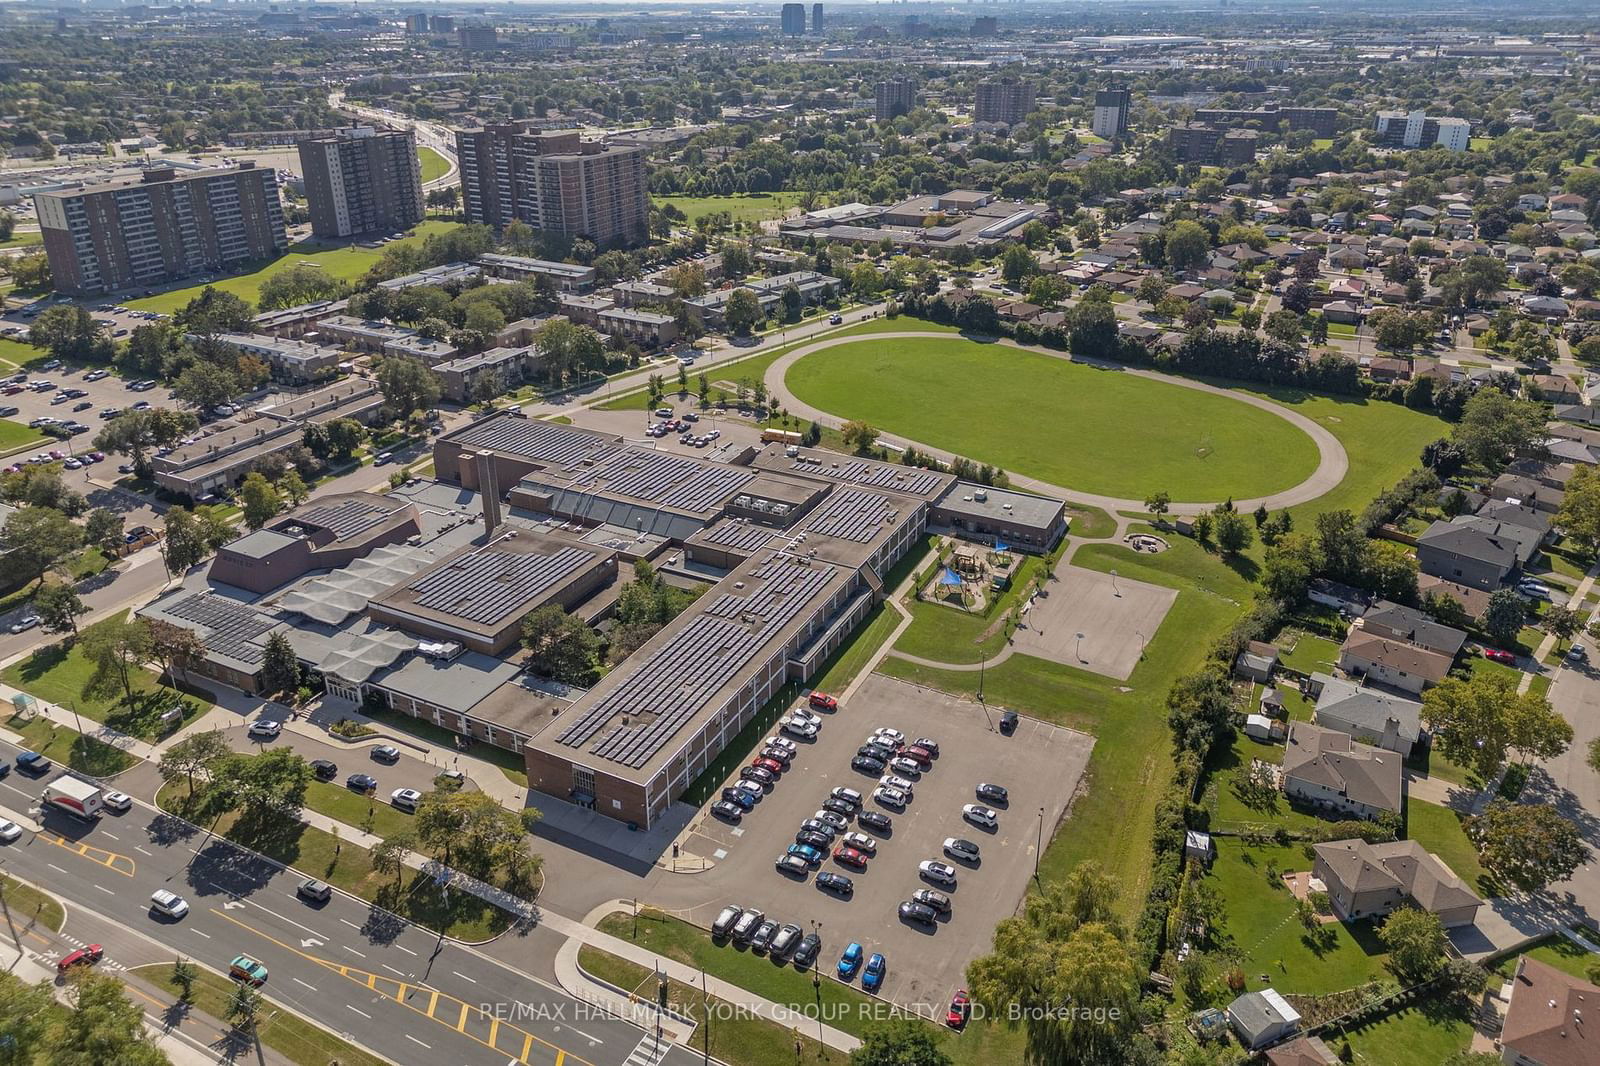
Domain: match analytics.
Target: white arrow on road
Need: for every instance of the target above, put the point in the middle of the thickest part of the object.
(233, 905)
(311, 942)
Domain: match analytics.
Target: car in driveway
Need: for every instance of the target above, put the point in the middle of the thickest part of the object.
(892, 797)
(867, 764)
(876, 821)
(963, 850)
(793, 864)
(87, 956)
(932, 898)
(263, 728)
(833, 882)
(851, 857)
(872, 973)
(1498, 656)
(995, 794)
(168, 903)
(978, 814)
(940, 872)
(725, 920)
(849, 961)
(361, 782)
(806, 953)
(912, 911)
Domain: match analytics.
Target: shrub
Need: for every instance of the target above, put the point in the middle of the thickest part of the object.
(351, 729)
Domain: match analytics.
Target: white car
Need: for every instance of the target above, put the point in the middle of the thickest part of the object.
(755, 788)
(800, 714)
(980, 815)
(1536, 589)
(169, 903)
(9, 831)
(405, 797)
(785, 743)
(860, 841)
(891, 797)
(25, 623)
(893, 734)
(934, 870)
(796, 728)
(838, 821)
(263, 728)
(117, 801)
(898, 783)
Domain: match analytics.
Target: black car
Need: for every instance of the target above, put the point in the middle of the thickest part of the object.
(876, 751)
(877, 821)
(817, 826)
(778, 755)
(758, 773)
(816, 840)
(911, 911)
(992, 793)
(731, 811)
(325, 770)
(835, 882)
(361, 782)
(1008, 722)
(867, 764)
(763, 935)
(838, 806)
(806, 954)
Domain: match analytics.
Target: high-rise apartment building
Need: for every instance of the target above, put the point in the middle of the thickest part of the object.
(163, 226)
(478, 37)
(1323, 121)
(1003, 101)
(985, 26)
(1195, 142)
(417, 23)
(555, 182)
(361, 180)
(1415, 129)
(442, 23)
(816, 19)
(793, 20)
(1111, 107)
(894, 98)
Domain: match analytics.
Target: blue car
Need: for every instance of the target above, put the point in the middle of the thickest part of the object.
(32, 762)
(872, 976)
(739, 796)
(806, 852)
(850, 961)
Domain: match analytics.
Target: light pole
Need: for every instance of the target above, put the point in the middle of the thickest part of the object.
(7, 908)
(1114, 590)
(816, 988)
(1038, 847)
(1080, 647)
(72, 706)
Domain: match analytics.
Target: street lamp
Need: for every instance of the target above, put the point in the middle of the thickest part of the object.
(1080, 647)
(816, 988)
(1038, 847)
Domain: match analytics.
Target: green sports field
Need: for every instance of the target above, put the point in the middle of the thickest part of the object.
(434, 165)
(1092, 430)
(747, 208)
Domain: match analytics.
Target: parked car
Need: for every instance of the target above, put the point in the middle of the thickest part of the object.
(850, 961)
(361, 782)
(980, 815)
(934, 870)
(262, 728)
(839, 807)
(773, 759)
(1577, 654)
(931, 746)
(893, 797)
(823, 700)
(833, 818)
(783, 742)
(25, 623)
(816, 826)
(912, 911)
(784, 941)
(405, 798)
(759, 774)
(810, 947)
(745, 800)
(900, 783)
(793, 864)
(957, 848)
(932, 898)
(847, 795)
(919, 755)
(872, 973)
(800, 714)
(876, 821)
(867, 764)
(806, 852)
(1008, 722)
(835, 883)
(1498, 656)
(861, 842)
(796, 728)
(324, 769)
(746, 926)
(816, 840)
(851, 857)
(724, 923)
(910, 767)
(893, 734)
(724, 809)
(386, 753)
(960, 1010)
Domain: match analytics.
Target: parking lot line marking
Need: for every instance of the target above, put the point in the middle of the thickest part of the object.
(720, 853)
(461, 1026)
(414, 1040)
(527, 1046)
(494, 1031)
(433, 1001)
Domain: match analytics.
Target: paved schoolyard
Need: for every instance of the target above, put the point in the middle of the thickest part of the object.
(1040, 765)
(1116, 616)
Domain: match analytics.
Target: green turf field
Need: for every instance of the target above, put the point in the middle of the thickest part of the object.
(346, 262)
(1092, 430)
(434, 165)
(15, 436)
(748, 208)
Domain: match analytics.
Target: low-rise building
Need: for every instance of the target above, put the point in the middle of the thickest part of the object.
(458, 378)
(1366, 881)
(292, 361)
(1395, 663)
(1546, 1023)
(1262, 1018)
(1323, 768)
(566, 277)
(1370, 715)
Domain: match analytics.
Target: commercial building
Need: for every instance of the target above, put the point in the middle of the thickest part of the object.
(1415, 129)
(1111, 107)
(793, 20)
(1003, 101)
(362, 180)
(1195, 142)
(163, 226)
(1323, 121)
(555, 182)
(894, 98)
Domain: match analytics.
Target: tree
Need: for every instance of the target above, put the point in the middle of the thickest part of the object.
(214, 312)
(280, 666)
(184, 544)
(1416, 942)
(302, 283)
(1017, 264)
(1563, 623)
(36, 541)
(1203, 525)
(409, 387)
(859, 435)
(32, 272)
(117, 649)
(472, 832)
(1158, 504)
(259, 499)
(196, 755)
(205, 385)
(1504, 615)
(265, 789)
(1579, 516)
(865, 281)
(389, 857)
(899, 1042)
(59, 607)
(103, 1027)
(102, 528)
(1531, 845)
(135, 433)
(1233, 532)
(26, 1013)
(293, 487)
(1297, 298)
(1594, 755)
(1478, 722)
(243, 1007)
(184, 975)
(561, 646)
(1188, 245)
(1289, 566)
(1199, 709)
(1152, 289)
(174, 647)
(742, 312)
(67, 331)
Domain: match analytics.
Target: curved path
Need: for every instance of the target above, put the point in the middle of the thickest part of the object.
(1332, 464)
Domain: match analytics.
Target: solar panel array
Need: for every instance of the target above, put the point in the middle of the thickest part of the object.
(740, 536)
(231, 627)
(486, 585)
(665, 479)
(542, 441)
(850, 514)
(877, 475)
(695, 662)
(345, 518)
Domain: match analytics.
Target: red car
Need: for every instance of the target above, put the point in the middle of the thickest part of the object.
(920, 755)
(1496, 655)
(82, 957)
(824, 701)
(960, 1010)
(772, 766)
(851, 857)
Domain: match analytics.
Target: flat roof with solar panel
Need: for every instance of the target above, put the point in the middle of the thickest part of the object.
(542, 442)
(348, 516)
(870, 473)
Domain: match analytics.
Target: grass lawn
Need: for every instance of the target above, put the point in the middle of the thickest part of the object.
(434, 165)
(509, 762)
(1090, 522)
(30, 907)
(371, 814)
(1312, 654)
(345, 262)
(1261, 926)
(16, 437)
(947, 634)
(747, 208)
(21, 240)
(1422, 1035)
(1228, 811)
(1554, 950)
(1439, 830)
(84, 754)
(349, 866)
(16, 354)
(284, 1031)
(58, 674)
(1196, 445)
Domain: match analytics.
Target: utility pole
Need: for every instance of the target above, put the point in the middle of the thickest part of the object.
(7, 908)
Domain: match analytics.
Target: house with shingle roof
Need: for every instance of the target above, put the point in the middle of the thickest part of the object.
(1468, 554)
(1373, 716)
(1326, 769)
(1398, 664)
(1306, 1051)
(1553, 1018)
(1370, 880)
(1409, 624)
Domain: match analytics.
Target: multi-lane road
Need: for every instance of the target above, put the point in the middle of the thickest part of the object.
(387, 985)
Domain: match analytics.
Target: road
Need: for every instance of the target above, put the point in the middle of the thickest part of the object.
(1575, 786)
(390, 986)
(428, 134)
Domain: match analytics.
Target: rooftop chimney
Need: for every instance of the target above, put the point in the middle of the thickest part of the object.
(489, 489)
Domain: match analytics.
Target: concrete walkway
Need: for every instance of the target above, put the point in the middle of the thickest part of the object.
(1332, 466)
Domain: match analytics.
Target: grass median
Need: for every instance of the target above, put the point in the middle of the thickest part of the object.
(29, 907)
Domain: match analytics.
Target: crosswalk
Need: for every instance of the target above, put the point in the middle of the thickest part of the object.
(106, 963)
(650, 1051)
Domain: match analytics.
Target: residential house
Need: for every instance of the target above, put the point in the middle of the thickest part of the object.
(1340, 597)
(1468, 555)
(1370, 880)
(1262, 1018)
(1343, 311)
(1395, 663)
(1325, 769)
(1257, 662)
(1474, 601)
(1554, 388)
(1306, 1051)
(1527, 491)
(1370, 715)
(1552, 473)
(1545, 1022)
(1413, 626)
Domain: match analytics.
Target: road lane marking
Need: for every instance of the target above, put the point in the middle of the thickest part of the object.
(391, 969)
(108, 833)
(106, 890)
(363, 1013)
(348, 922)
(356, 953)
(586, 1036)
(414, 1040)
(109, 859)
(141, 851)
(57, 869)
(297, 981)
(463, 976)
(407, 950)
(197, 932)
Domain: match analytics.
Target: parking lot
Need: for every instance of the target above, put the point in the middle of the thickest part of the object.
(1039, 764)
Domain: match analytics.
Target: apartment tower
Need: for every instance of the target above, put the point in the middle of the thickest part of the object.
(555, 182)
(362, 180)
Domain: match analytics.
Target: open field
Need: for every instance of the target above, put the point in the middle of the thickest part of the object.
(963, 395)
(347, 263)
(747, 208)
(23, 240)
(14, 436)
(15, 353)
(434, 165)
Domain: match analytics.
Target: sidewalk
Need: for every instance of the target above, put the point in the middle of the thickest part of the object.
(1549, 642)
